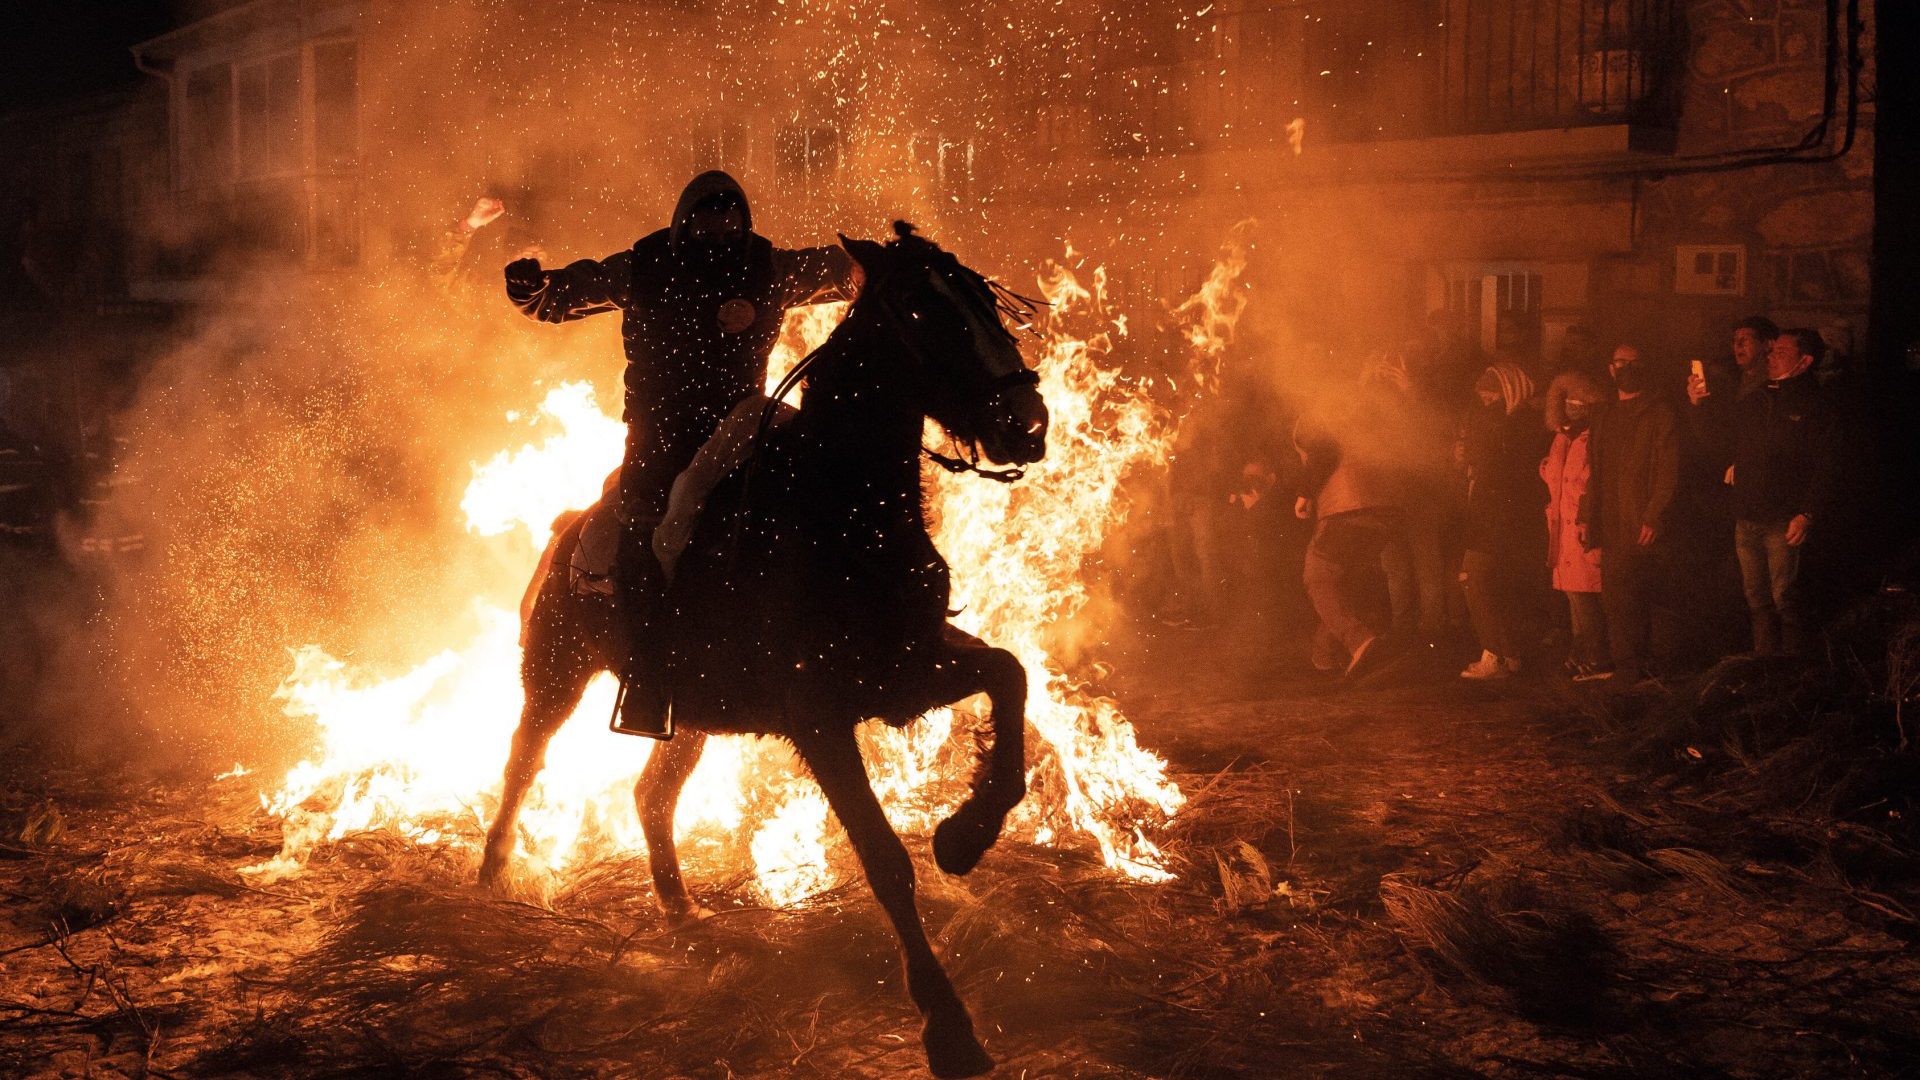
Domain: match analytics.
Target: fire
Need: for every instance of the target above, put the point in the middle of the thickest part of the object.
(530, 486)
(419, 753)
(1209, 316)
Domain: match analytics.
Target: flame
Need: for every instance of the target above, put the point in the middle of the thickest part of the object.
(536, 483)
(1208, 317)
(419, 754)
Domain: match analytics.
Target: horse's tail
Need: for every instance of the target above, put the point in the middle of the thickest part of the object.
(559, 552)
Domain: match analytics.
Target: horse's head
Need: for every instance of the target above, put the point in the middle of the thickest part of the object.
(968, 368)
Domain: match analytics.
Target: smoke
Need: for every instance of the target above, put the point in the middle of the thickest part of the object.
(299, 454)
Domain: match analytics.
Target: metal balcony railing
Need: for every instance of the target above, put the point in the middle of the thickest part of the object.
(1361, 70)
(1450, 67)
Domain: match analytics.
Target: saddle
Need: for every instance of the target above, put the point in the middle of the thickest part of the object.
(590, 571)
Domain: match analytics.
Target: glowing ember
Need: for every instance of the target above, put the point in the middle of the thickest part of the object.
(419, 754)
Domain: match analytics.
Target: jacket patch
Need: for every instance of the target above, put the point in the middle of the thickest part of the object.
(736, 315)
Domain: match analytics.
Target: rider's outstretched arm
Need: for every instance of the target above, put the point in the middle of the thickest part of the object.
(579, 289)
(816, 275)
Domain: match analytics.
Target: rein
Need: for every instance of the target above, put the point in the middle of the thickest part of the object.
(968, 463)
(969, 459)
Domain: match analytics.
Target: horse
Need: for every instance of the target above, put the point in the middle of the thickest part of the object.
(810, 597)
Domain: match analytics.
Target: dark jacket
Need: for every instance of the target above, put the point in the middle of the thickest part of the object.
(693, 349)
(1635, 451)
(1504, 498)
(1784, 452)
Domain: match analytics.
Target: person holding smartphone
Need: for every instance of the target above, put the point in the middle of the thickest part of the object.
(1782, 477)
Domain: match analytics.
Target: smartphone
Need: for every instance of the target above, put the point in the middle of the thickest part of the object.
(1700, 371)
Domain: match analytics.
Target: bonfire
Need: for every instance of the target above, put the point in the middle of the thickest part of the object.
(416, 754)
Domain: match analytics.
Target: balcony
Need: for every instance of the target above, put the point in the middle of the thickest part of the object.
(1471, 67)
(1378, 71)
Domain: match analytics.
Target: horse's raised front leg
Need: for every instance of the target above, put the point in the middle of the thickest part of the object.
(834, 758)
(655, 795)
(1001, 782)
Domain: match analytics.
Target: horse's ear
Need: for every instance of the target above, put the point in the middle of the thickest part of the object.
(869, 255)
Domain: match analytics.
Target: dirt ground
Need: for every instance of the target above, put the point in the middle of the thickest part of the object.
(1416, 878)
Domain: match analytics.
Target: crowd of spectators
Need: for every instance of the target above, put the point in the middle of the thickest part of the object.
(1433, 503)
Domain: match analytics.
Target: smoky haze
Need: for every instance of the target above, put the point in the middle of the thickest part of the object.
(301, 451)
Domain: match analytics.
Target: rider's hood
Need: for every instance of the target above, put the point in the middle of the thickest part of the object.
(702, 188)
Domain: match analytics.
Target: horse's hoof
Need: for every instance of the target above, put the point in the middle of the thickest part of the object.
(493, 875)
(962, 840)
(681, 916)
(952, 1051)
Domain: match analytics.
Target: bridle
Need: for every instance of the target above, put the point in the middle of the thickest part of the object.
(968, 460)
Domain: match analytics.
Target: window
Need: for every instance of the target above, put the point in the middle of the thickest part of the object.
(805, 159)
(78, 203)
(954, 168)
(1064, 124)
(721, 144)
(269, 114)
(1497, 306)
(207, 150)
(336, 106)
(275, 140)
(948, 162)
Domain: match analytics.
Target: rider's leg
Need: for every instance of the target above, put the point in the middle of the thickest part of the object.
(641, 597)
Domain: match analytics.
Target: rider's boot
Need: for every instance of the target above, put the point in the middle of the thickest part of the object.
(643, 706)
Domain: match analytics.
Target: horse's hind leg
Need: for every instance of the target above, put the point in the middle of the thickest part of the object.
(952, 1049)
(961, 840)
(655, 796)
(551, 697)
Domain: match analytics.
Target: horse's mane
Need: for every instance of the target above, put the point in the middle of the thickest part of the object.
(994, 303)
(997, 305)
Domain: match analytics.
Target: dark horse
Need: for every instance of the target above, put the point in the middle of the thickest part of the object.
(811, 598)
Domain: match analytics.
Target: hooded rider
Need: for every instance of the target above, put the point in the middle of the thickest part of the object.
(702, 303)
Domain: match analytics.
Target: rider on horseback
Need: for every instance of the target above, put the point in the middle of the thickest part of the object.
(702, 303)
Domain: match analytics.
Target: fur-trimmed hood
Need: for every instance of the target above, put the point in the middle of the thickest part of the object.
(1575, 383)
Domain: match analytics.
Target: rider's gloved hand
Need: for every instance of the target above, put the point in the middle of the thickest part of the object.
(524, 278)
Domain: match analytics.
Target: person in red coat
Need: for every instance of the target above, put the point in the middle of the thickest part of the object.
(1572, 555)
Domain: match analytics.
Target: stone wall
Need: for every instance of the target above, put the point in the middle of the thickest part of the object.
(1755, 81)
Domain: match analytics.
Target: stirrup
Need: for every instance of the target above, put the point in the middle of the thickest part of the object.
(619, 702)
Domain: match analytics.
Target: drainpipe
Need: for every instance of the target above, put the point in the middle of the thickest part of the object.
(166, 75)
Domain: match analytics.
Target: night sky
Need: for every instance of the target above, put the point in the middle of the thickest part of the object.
(53, 50)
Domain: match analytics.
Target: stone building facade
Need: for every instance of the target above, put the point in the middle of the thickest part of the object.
(1649, 169)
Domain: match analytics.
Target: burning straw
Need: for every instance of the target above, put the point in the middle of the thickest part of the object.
(418, 754)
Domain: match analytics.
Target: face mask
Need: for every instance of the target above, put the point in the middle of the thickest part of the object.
(706, 252)
(1630, 378)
